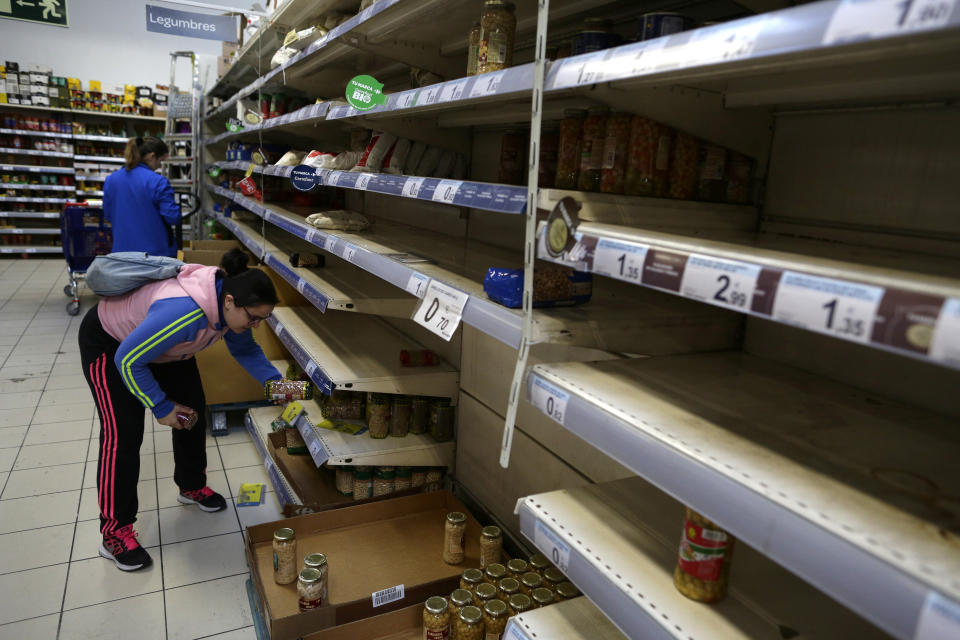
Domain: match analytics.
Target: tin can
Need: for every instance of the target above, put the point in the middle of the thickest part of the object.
(595, 36)
(662, 23)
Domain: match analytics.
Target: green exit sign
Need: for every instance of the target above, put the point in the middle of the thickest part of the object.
(52, 12)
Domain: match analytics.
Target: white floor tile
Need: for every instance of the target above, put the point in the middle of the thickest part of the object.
(46, 455)
(86, 540)
(98, 580)
(20, 400)
(43, 627)
(59, 432)
(32, 593)
(64, 412)
(247, 633)
(239, 455)
(253, 474)
(201, 560)
(34, 359)
(268, 511)
(31, 371)
(12, 436)
(141, 617)
(7, 457)
(188, 522)
(67, 381)
(236, 435)
(67, 361)
(168, 490)
(35, 548)
(66, 396)
(208, 608)
(16, 417)
(35, 482)
(39, 511)
(19, 386)
(165, 466)
(147, 469)
(50, 347)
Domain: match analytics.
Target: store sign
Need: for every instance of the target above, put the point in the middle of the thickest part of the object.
(191, 25)
(365, 93)
(52, 12)
(304, 177)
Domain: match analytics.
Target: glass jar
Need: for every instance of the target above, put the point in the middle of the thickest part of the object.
(495, 572)
(542, 597)
(712, 173)
(484, 593)
(703, 567)
(597, 34)
(295, 444)
(400, 416)
(530, 581)
(344, 480)
(684, 159)
(343, 405)
(739, 174)
(508, 587)
(285, 565)
(552, 577)
(517, 567)
(591, 151)
(384, 479)
(418, 477)
(287, 390)
(436, 619)
(362, 483)
(491, 546)
(648, 165)
(310, 588)
(498, 31)
(470, 578)
(539, 563)
(378, 415)
(513, 162)
(453, 537)
(433, 477)
(459, 599)
(441, 419)
(419, 415)
(519, 602)
(615, 153)
(468, 625)
(404, 479)
(473, 49)
(566, 590)
(568, 148)
(495, 614)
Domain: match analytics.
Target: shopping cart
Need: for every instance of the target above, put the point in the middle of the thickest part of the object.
(84, 234)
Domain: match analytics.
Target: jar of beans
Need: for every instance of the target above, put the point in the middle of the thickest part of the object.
(469, 624)
(566, 590)
(459, 599)
(470, 578)
(568, 148)
(539, 563)
(552, 577)
(484, 593)
(442, 418)
(684, 162)
(309, 589)
(344, 480)
(384, 480)
(404, 479)
(529, 582)
(498, 26)
(703, 567)
(591, 151)
(491, 546)
(495, 614)
(436, 619)
(400, 416)
(542, 597)
(378, 415)
(615, 153)
(455, 528)
(508, 587)
(285, 563)
(519, 603)
(648, 166)
(517, 567)
(419, 415)
(362, 483)
(495, 572)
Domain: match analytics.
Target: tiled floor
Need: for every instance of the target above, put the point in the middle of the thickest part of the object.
(54, 584)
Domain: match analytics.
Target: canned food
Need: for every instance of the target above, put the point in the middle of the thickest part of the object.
(662, 23)
(597, 34)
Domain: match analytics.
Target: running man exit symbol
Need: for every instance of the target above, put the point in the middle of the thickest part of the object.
(51, 12)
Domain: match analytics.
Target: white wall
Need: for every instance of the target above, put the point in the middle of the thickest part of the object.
(108, 41)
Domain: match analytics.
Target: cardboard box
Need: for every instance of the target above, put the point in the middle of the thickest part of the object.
(403, 624)
(42, 101)
(369, 548)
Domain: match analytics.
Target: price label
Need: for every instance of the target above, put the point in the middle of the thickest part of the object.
(514, 632)
(406, 100)
(430, 94)
(720, 44)
(310, 368)
(843, 309)
(278, 329)
(858, 20)
(312, 236)
(446, 191)
(945, 345)
(315, 110)
(349, 252)
(386, 596)
(441, 309)
(417, 284)
(487, 84)
(549, 399)
(330, 244)
(939, 619)
(552, 546)
(411, 188)
(729, 283)
(301, 286)
(452, 90)
(363, 180)
(619, 259)
(315, 448)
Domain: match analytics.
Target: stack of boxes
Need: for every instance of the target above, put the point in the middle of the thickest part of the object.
(32, 85)
(230, 52)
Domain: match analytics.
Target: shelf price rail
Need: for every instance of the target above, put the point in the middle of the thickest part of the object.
(280, 486)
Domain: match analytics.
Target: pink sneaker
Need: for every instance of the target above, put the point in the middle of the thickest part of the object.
(122, 547)
(206, 498)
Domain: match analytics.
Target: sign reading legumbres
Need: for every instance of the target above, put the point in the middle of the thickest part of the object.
(191, 25)
(364, 93)
(52, 12)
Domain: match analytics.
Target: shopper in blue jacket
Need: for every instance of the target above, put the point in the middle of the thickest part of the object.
(139, 202)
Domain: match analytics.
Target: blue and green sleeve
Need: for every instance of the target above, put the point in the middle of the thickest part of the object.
(248, 353)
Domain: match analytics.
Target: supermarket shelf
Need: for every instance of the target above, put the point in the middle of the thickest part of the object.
(358, 353)
(92, 178)
(38, 232)
(97, 158)
(172, 137)
(181, 183)
(39, 200)
(335, 448)
(178, 160)
(285, 493)
(81, 112)
(576, 619)
(98, 194)
(337, 286)
(35, 152)
(95, 138)
(31, 168)
(305, 115)
(13, 249)
(856, 294)
(35, 215)
(784, 467)
(37, 187)
(37, 134)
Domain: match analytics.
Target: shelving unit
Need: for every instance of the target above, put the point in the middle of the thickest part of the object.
(281, 487)
(575, 619)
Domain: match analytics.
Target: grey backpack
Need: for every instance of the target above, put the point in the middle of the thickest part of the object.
(117, 273)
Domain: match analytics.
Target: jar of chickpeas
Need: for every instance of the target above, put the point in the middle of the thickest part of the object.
(285, 564)
(542, 597)
(703, 567)
(648, 164)
(495, 614)
(436, 619)
(495, 572)
(566, 590)
(453, 539)
(591, 151)
(470, 578)
(459, 599)
(519, 602)
(684, 165)
(508, 587)
(404, 479)
(539, 563)
(568, 148)
(517, 567)
(552, 577)
(484, 593)
(529, 582)
(615, 153)
(491, 545)
(469, 624)
(498, 26)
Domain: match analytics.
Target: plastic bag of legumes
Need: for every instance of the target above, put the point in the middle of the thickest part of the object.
(377, 149)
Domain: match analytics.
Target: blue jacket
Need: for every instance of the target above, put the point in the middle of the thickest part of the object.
(140, 205)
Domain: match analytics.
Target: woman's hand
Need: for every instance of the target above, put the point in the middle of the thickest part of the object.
(171, 420)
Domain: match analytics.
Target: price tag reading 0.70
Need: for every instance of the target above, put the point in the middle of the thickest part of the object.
(441, 309)
(844, 309)
(621, 260)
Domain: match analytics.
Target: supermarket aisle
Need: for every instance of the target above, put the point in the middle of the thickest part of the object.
(54, 583)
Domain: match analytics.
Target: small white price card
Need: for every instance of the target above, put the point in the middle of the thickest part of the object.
(446, 191)
(844, 309)
(330, 244)
(348, 253)
(619, 259)
(441, 309)
(514, 632)
(453, 90)
(386, 596)
(549, 399)
(278, 329)
(406, 100)
(430, 94)
(939, 619)
(363, 180)
(556, 550)
(861, 19)
(487, 84)
(411, 188)
(301, 285)
(310, 368)
(945, 346)
(312, 235)
(315, 448)
(417, 284)
(729, 283)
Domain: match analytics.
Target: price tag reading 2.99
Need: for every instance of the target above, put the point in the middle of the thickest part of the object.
(441, 309)
(728, 283)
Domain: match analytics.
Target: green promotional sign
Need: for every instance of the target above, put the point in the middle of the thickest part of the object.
(364, 93)
(52, 12)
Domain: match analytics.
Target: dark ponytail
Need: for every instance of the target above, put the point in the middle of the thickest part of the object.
(138, 147)
(249, 287)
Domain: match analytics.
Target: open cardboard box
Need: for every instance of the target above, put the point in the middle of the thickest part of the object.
(369, 548)
(403, 624)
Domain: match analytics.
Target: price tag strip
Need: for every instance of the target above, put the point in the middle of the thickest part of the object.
(855, 20)
(552, 546)
(939, 619)
(550, 399)
(317, 375)
(441, 309)
(317, 298)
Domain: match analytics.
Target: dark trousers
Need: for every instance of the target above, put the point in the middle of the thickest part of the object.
(122, 420)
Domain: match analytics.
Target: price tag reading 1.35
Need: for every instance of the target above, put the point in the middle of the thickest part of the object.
(549, 399)
(552, 546)
(441, 309)
(844, 309)
(858, 20)
(618, 259)
(729, 283)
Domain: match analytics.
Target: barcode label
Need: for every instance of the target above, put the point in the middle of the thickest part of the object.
(387, 596)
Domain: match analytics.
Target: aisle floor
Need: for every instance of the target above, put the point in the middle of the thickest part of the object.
(54, 584)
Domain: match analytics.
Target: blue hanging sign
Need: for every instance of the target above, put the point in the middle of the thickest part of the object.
(304, 177)
(191, 25)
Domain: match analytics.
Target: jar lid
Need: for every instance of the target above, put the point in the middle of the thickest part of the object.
(496, 570)
(491, 532)
(470, 614)
(542, 596)
(315, 560)
(554, 575)
(473, 575)
(284, 534)
(518, 565)
(495, 608)
(485, 591)
(497, 4)
(461, 597)
(437, 604)
(539, 561)
(520, 602)
(531, 580)
(309, 575)
(509, 585)
(455, 517)
(566, 590)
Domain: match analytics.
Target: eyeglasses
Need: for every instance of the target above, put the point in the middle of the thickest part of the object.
(252, 319)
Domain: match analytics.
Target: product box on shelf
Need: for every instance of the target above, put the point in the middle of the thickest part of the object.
(403, 624)
(372, 549)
